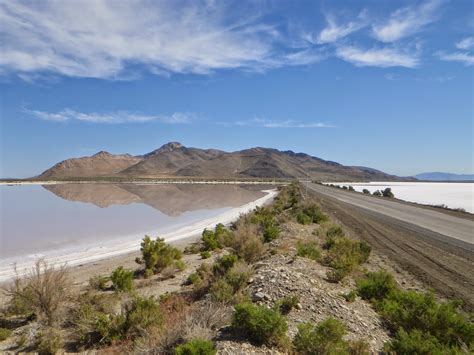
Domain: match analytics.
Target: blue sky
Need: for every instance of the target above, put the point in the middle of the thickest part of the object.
(385, 84)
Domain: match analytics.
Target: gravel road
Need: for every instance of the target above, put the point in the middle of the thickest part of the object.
(435, 246)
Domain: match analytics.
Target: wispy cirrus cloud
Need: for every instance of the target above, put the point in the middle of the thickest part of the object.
(110, 117)
(335, 31)
(110, 39)
(266, 123)
(378, 57)
(465, 43)
(407, 21)
(461, 57)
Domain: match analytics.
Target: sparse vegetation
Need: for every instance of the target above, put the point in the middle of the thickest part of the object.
(259, 324)
(196, 347)
(48, 341)
(387, 192)
(122, 279)
(205, 254)
(43, 291)
(99, 282)
(156, 255)
(309, 249)
(376, 285)
(377, 193)
(286, 304)
(5, 333)
(350, 296)
(324, 338)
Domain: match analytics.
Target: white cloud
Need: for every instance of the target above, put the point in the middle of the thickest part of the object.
(407, 21)
(377, 57)
(110, 117)
(465, 43)
(462, 57)
(109, 39)
(263, 122)
(335, 31)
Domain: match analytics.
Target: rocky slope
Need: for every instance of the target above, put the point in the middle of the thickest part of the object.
(176, 160)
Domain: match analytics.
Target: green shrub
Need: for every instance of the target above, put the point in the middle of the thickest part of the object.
(259, 324)
(338, 274)
(418, 342)
(156, 255)
(351, 188)
(359, 347)
(216, 239)
(286, 304)
(410, 310)
(303, 218)
(196, 347)
(270, 232)
(238, 275)
(388, 193)
(377, 193)
(122, 279)
(224, 263)
(99, 282)
(48, 341)
(350, 296)
(308, 250)
(325, 338)
(221, 291)
(4, 333)
(191, 249)
(140, 315)
(194, 279)
(365, 191)
(205, 254)
(247, 243)
(376, 285)
(334, 231)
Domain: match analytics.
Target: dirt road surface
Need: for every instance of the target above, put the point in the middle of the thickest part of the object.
(434, 246)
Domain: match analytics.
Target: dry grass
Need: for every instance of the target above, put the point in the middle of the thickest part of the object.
(44, 291)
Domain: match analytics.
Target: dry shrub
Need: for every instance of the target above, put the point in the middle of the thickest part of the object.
(247, 242)
(205, 319)
(44, 291)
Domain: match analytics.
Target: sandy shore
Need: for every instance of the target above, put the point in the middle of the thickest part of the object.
(115, 250)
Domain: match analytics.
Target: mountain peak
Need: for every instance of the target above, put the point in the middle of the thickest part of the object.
(168, 147)
(102, 153)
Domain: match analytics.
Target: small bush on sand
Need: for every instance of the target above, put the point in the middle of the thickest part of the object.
(376, 285)
(44, 291)
(196, 347)
(156, 255)
(99, 282)
(216, 239)
(4, 333)
(238, 275)
(324, 338)
(365, 191)
(205, 254)
(377, 193)
(48, 341)
(221, 291)
(334, 231)
(308, 250)
(247, 243)
(224, 263)
(350, 296)
(303, 218)
(122, 279)
(259, 324)
(286, 304)
(270, 232)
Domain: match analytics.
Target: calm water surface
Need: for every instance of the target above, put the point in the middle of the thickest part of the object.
(42, 220)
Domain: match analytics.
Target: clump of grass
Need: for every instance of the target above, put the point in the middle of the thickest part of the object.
(310, 213)
(419, 321)
(5, 333)
(308, 250)
(196, 347)
(324, 338)
(287, 303)
(122, 279)
(99, 282)
(44, 291)
(350, 296)
(259, 324)
(48, 341)
(157, 255)
(205, 254)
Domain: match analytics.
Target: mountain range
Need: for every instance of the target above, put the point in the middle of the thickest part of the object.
(439, 176)
(174, 160)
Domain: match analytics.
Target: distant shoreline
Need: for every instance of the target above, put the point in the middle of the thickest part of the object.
(145, 181)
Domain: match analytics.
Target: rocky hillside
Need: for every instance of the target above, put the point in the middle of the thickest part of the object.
(176, 160)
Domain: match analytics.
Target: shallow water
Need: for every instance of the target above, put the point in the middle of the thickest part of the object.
(453, 195)
(65, 219)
